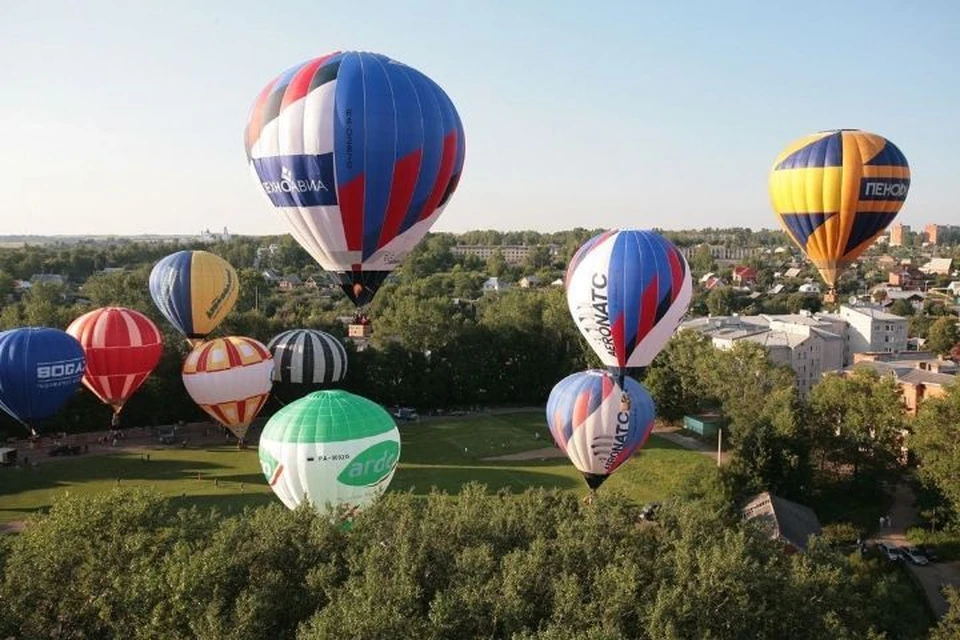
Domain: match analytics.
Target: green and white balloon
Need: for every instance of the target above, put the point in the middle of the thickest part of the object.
(332, 447)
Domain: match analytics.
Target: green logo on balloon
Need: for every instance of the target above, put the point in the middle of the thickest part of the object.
(371, 465)
(271, 466)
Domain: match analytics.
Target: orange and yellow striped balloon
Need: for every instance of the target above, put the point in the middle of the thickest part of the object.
(230, 378)
(835, 191)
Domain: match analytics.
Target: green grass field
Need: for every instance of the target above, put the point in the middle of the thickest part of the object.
(445, 454)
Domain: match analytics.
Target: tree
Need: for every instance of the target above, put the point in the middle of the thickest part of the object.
(701, 261)
(857, 424)
(919, 325)
(760, 399)
(482, 564)
(497, 265)
(672, 377)
(538, 258)
(6, 286)
(128, 288)
(936, 442)
(720, 301)
(943, 335)
(797, 302)
(949, 626)
(253, 289)
(902, 308)
(44, 306)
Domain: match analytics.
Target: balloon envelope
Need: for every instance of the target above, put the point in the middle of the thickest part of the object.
(40, 368)
(331, 448)
(590, 422)
(360, 154)
(194, 290)
(627, 290)
(305, 359)
(121, 347)
(835, 191)
(230, 378)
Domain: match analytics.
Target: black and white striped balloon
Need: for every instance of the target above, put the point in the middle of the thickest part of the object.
(308, 358)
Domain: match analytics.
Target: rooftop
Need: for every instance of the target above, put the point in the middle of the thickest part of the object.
(794, 523)
(874, 312)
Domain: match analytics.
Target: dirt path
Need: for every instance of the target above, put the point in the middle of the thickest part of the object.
(932, 577)
(536, 454)
(14, 526)
(666, 432)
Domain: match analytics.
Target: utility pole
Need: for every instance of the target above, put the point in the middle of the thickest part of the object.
(719, 444)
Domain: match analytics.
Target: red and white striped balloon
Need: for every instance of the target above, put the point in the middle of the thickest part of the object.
(122, 347)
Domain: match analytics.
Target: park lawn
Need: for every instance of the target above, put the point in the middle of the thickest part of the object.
(445, 454)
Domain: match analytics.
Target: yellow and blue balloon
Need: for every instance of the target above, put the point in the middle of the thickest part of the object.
(835, 191)
(194, 290)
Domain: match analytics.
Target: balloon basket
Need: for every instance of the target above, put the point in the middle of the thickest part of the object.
(358, 330)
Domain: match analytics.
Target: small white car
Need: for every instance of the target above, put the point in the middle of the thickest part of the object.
(892, 552)
(913, 555)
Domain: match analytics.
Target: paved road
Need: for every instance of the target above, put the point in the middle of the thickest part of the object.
(903, 515)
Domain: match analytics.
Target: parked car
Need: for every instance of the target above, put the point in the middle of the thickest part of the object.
(914, 555)
(929, 552)
(65, 450)
(405, 413)
(890, 551)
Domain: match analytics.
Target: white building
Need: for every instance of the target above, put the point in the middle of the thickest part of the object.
(494, 285)
(721, 252)
(512, 253)
(871, 329)
(808, 344)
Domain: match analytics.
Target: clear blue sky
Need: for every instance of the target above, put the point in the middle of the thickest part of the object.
(127, 117)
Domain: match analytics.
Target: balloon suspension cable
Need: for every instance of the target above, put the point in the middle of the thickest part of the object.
(624, 396)
(115, 419)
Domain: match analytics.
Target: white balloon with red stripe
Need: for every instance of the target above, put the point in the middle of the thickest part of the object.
(230, 378)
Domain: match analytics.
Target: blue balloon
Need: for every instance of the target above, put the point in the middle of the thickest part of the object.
(40, 368)
(597, 423)
(627, 290)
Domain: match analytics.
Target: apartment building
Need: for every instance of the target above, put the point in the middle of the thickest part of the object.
(871, 329)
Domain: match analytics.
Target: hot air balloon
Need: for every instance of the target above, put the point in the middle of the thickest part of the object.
(194, 290)
(230, 378)
(332, 448)
(121, 347)
(627, 290)
(360, 154)
(305, 359)
(592, 424)
(40, 368)
(834, 192)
